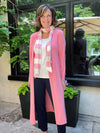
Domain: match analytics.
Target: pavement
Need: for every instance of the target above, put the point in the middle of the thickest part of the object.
(11, 121)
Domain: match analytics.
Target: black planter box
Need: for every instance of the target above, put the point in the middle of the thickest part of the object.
(25, 105)
(71, 105)
(72, 108)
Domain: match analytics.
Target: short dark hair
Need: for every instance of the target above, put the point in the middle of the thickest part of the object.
(41, 9)
(79, 33)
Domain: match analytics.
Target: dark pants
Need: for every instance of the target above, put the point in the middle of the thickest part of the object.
(40, 84)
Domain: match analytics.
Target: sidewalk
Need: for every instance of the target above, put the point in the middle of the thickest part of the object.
(11, 121)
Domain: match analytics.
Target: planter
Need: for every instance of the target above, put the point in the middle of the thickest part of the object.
(72, 108)
(25, 105)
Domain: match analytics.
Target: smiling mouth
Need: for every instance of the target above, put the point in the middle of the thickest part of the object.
(46, 23)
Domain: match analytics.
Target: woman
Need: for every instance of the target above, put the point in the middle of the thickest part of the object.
(47, 70)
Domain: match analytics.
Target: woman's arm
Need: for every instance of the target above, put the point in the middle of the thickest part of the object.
(61, 53)
(30, 57)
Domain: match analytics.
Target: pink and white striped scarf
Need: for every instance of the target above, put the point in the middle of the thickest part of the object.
(38, 50)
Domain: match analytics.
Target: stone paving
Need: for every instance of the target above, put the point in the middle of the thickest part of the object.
(11, 121)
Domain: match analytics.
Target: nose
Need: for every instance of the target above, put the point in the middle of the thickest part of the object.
(46, 17)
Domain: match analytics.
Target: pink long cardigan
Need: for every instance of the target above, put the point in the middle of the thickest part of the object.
(55, 77)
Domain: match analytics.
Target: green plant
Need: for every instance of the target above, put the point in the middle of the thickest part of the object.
(20, 59)
(4, 31)
(95, 45)
(82, 11)
(23, 89)
(70, 92)
(96, 68)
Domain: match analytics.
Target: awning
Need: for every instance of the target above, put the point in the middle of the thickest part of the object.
(90, 25)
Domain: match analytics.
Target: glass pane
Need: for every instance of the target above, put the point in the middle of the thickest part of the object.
(86, 44)
(25, 2)
(29, 2)
(61, 15)
(46, 0)
(25, 28)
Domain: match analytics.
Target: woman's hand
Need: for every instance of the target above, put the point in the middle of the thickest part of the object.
(63, 84)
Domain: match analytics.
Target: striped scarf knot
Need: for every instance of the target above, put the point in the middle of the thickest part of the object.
(38, 50)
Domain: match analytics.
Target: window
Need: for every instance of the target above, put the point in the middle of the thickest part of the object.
(26, 28)
(74, 18)
(25, 2)
(23, 20)
(61, 18)
(84, 60)
(86, 43)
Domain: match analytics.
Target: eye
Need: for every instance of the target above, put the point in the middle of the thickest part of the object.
(49, 15)
(42, 15)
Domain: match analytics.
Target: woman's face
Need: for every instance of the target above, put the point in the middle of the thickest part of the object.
(46, 19)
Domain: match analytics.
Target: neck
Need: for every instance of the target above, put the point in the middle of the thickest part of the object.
(48, 29)
(45, 31)
(45, 35)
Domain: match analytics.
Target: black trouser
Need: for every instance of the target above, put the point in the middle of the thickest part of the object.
(40, 84)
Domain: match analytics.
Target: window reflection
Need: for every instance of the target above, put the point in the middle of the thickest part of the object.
(46, 0)
(86, 44)
(25, 29)
(80, 46)
(29, 2)
(25, 2)
(61, 14)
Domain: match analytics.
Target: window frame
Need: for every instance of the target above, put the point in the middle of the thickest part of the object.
(81, 80)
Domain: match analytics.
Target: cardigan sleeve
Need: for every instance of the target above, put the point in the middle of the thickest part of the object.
(61, 53)
(32, 41)
(33, 38)
(30, 56)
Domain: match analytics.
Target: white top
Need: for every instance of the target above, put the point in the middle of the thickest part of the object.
(43, 70)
